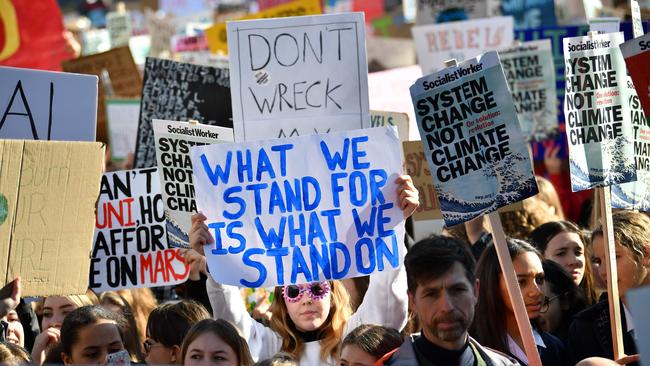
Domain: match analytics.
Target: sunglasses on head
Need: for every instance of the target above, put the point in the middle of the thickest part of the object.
(317, 290)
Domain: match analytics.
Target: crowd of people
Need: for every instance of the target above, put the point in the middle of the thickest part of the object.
(447, 305)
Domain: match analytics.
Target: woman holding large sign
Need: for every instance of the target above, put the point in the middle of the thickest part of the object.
(310, 320)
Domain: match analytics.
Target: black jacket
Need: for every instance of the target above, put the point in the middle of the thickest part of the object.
(590, 334)
(554, 354)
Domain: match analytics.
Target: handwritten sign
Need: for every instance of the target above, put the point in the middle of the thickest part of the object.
(179, 91)
(460, 40)
(416, 166)
(43, 105)
(130, 248)
(173, 142)
(217, 34)
(600, 140)
(297, 76)
(302, 209)
(470, 134)
(531, 74)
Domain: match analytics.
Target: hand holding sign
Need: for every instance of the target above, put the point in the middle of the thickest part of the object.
(409, 197)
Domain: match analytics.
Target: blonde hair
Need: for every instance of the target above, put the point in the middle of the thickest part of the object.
(331, 331)
(89, 298)
(548, 194)
(142, 301)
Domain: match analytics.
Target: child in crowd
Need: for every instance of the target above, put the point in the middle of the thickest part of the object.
(214, 342)
(367, 343)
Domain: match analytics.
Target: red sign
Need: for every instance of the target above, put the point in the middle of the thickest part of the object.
(31, 35)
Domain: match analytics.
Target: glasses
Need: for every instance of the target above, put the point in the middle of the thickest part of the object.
(149, 344)
(317, 290)
(547, 302)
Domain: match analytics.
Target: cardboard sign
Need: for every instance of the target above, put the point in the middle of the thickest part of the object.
(173, 142)
(303, 209)
(443, 11)
(597, 118)
(460, 40)
(48, 191)
(31, 35)
(472, 139)
(399, 120)
(217, 34)
(130, 249)
(122, 126)
(530, 14)
(297, 76)
(178, 91)
(530, 73)
(416, 166)
(117, 72)
(44, 105)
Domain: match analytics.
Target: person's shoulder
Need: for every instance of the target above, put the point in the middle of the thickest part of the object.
(550, 340)
(494, 357)
(591, 313)
(404, 355)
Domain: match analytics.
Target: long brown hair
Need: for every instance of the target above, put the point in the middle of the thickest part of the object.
(226, 332)
(331, 332)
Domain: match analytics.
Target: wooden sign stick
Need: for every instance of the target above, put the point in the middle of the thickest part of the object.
(512, 285)
(605, 206)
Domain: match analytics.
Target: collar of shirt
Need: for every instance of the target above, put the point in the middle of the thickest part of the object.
(516, 351)
(628, 319)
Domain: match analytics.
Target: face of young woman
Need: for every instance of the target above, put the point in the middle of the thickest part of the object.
(568, 250)
(352, 355)
(159, 354)
(530, 276)
(209, 350)
(631, 273)
(15, 333)
(55, 309)
(307, 313)
(94, 343)
(551, 320)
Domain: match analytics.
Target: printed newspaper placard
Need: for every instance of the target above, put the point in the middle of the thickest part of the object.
(530, 73)
(130, 248)
(476, 152)
(460, 40)
(595, 107)
(298, 76)
(173, 142)
(309, 208)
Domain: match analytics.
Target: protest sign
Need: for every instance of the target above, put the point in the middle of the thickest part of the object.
(416, 166)
(45, 105)
(472, 139)
(595, 106)
(189, 43)
(605, 24)
(460, 40)
(130, 249)
(48, 191)
(32, 35)
(530, 72)
(178, 91)
(95, 41)
(637, 23)
(303, 209)
(529, 14)
(173, 142)
(299, 75)
(118, 77)
(389, 53)
(399, 120)
(217, 34)
(161, 28)
(122, 119)
(119, 26)
(443, 11)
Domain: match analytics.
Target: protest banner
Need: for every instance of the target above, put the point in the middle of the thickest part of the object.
(178, 91)
(31, 35)
(595, 107)
(122, 119)
(130, 249)
(460, 40)
(48, 191)
(443, 11)
(119, 26)
(529, 14)
(118, 77)
(530, 73)
(302, 209)
(173, 142)
(45, 105)
(299, 75)
(416, 166)
(473, 142)
(217, 35)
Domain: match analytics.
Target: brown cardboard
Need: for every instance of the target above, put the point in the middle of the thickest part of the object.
(417, 167)
(50, 188)
(124, 78)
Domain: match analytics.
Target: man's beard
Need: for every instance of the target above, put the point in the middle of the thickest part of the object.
(450, 334)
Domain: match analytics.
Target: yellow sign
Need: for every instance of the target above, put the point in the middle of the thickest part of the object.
(10, 24)
(216, 35)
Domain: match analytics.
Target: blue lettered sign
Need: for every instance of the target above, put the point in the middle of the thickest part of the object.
(301, 209)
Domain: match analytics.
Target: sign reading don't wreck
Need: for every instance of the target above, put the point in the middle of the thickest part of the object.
(302, 209)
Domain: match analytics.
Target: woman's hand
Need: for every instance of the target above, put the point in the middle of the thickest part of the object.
(43, 342)
(409, 197)
(196, 262)
(200, 233)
